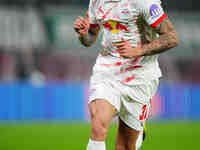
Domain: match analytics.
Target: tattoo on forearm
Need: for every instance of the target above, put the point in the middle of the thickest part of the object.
(88, 39)
(163, 43)
(168, 39)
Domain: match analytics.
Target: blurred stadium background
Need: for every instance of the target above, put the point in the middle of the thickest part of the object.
(44, 74)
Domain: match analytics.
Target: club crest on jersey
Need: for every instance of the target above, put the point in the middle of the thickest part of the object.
(155, 11)
(115, 27)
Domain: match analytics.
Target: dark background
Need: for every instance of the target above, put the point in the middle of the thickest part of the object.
(183, 5)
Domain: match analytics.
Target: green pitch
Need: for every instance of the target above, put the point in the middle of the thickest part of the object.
(161, 136)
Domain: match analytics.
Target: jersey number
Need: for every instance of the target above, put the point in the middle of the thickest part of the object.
(143, 116)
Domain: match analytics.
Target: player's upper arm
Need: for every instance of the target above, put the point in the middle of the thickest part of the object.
(156, 17)
(152, 11)
(94, 26)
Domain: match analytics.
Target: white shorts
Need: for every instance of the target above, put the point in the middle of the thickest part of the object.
(131, 102)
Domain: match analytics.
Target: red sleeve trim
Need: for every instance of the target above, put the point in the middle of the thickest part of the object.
(94, 25)
(158, 21)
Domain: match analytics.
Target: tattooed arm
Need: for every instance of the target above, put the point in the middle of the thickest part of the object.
(168, 39)
(87, 33)
(89, 38)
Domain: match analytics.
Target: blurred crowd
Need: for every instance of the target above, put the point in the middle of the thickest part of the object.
(38, 44)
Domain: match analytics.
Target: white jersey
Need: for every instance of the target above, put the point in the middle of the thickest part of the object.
(132, 20)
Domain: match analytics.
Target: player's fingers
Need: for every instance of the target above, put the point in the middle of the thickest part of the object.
(121, 50)
(77, 24)
(127, 48)
(83, 31)
(124, 55)
(81, 26)
(128, 54)
(85, 22)
(119, 44)
(80, 31)
(121, 47)
(78, 20)
(77, 28)
(81, 18)
(121, 53)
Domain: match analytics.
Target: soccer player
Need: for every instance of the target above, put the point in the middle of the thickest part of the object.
(126, 73)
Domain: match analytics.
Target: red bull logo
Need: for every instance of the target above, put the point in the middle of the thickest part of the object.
(115, 27)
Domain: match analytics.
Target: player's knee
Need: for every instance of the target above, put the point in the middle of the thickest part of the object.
(99, 125)
(99, 120)
(99, 128)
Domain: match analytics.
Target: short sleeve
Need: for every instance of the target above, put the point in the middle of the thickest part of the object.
(152, 11)
(91, 13)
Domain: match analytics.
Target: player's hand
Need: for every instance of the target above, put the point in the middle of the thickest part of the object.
(125, 49)
(82, 25)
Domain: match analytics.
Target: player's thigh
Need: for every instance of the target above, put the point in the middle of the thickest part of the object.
(126, 137)
(102, 111)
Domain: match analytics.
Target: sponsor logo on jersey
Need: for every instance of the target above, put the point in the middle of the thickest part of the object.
(115, 27)
(155, 11)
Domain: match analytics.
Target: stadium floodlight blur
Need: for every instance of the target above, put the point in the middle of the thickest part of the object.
(22, 32)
